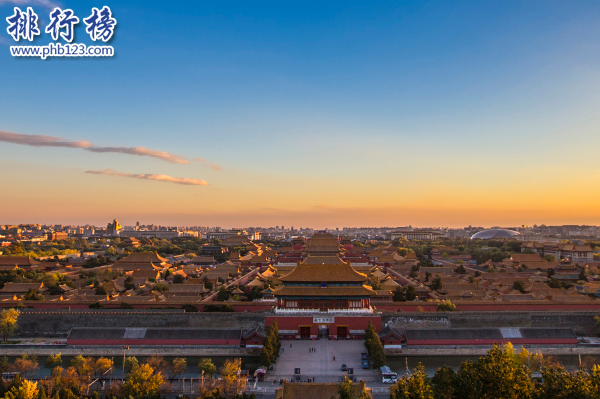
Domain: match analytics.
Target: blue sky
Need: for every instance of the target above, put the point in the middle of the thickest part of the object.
(336, 114)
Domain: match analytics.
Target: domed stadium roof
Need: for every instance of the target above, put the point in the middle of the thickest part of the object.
(494, 233)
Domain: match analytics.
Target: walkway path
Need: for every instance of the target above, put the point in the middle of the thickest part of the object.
(320, 364)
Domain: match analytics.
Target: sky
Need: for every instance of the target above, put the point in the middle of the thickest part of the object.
(307, 114)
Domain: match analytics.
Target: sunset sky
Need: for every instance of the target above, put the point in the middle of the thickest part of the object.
(320, 114)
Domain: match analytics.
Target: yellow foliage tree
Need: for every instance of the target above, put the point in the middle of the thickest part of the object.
(141, 382)
(27, 390)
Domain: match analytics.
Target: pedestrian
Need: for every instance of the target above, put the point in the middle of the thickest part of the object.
(290, 345)
(334, 358)
(283, 349)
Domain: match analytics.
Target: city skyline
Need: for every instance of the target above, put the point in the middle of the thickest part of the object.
(320, 115)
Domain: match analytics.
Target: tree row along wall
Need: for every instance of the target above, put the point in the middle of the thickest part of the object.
(582, 322)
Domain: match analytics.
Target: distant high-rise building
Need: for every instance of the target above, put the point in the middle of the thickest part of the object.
(112, 229)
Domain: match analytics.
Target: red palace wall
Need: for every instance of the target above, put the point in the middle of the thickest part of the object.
(132, 342)
(351, 322)
(562, 341)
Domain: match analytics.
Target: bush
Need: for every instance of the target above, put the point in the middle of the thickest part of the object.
(188, 307)
(96, 305)
(446, 306)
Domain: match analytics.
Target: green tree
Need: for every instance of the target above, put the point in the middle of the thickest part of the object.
(446, 306)
(8, 322)
(131, 362)
(460, 270)
(436, 284)
(207, 366)
(411, 293)
(466, 383)
(414, 386)
(346, 390)
(223, 294)
(443, 383)
(518, 285)
(53, 361)
(374, 346)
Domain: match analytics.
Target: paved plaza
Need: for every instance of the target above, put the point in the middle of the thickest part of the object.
(320, 364)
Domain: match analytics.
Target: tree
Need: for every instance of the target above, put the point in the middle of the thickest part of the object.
(460, 270)
(8, 322)
(502, 377)
(160, 287)
(446, 306)
(399, 294)
(230, 375)
(142, 382)
(374, 346)
(207, 366)
(436, 283)
(443, 383)
(223, 294)
(178, 279)
(158, 364)
(27, 390)
(466, 382)
(26, 365)
(102, 365)
(550, 258)
(518, 285)
(53, 361)
(346, 390)
(414, 386)
(178, 367)
(411, 293)
(131, 362)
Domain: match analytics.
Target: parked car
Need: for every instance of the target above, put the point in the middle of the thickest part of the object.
(344, 367)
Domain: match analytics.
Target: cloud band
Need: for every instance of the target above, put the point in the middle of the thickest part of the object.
(35, 140)
(165, 178)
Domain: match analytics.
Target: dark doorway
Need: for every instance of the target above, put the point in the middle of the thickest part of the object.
(342, 332)
(324, 331)
(305, 332)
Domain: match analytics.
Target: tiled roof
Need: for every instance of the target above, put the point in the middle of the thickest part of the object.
(144, 257)
(17, 260)
(323, 260)
(329, 291)
(323, 273)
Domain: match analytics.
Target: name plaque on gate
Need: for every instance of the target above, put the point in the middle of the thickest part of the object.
(318, 320)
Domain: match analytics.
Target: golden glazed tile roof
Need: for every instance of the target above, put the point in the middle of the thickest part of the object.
(318, 291)
(143, 257)
(323, 273)
(323, 260)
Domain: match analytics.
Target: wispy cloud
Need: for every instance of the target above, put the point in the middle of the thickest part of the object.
(207, 164)
(165, 156)
(165, 178)
(36, 140)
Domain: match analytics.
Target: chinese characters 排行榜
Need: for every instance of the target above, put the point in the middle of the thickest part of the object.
(100, 24)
